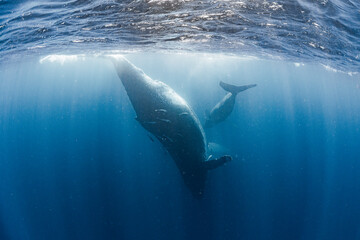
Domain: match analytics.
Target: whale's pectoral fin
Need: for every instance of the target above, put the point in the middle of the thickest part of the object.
(235, 89)
(212, 164)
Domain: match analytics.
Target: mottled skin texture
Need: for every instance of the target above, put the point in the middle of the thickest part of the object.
(168, 117)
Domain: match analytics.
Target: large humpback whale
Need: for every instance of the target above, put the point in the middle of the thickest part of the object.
(162, 112)
(223, 108)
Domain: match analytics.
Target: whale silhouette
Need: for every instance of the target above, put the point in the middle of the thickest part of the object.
(223, 108)
(167, 116)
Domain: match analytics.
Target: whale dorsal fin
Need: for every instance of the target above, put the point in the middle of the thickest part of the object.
(235, 89)
(212, 164)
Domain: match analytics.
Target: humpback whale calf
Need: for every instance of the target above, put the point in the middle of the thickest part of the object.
(223, 108)
(167, 116)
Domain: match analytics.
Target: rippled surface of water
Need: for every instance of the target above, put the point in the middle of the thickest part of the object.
(326, 31)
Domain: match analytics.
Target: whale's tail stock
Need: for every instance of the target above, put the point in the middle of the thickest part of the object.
(195, 178)
(215, 163)
(235, 89)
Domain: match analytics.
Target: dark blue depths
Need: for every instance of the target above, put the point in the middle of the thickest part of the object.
(76, 165)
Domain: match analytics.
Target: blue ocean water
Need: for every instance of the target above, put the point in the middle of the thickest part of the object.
(325, 31)
(75, 164)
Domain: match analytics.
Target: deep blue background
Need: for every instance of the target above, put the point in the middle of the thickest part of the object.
(74, 164)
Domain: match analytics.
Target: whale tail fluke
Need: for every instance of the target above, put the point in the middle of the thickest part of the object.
(215, 163)
(235, 89)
